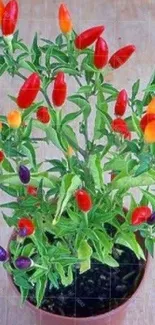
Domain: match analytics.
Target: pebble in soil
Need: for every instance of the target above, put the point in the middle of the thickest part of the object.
(98, 290)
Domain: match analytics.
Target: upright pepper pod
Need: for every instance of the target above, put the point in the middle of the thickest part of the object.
(101, 53)
(43, 115)
(23, 263)
(147, 118)
(65, 21)
(151, 107)
(29, 91)
(140, 215)
(27, 225)
(59, 90)
(14, 119)
(83, 199)
(88, 37)
(149, 133)
(121, 103)
(1, 10)
(9, 19)
(32, 190)
(24, 174)
(3, 254)
(121, 56)
(2, 156)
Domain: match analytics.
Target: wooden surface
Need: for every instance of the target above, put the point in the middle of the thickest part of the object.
(126, 22)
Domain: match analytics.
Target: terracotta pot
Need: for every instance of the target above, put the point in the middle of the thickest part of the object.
(114, 317)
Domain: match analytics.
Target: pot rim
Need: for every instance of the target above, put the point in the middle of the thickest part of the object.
(97, 317)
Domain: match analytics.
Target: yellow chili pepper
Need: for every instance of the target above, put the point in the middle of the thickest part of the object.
(14, 119)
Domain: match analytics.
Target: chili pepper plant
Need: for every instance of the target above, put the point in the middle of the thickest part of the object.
(62, 208)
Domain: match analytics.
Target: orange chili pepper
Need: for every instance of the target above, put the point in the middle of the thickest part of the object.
(14, 119)
(65, 21)
(1, 10)
(151, 107)
(149, 133)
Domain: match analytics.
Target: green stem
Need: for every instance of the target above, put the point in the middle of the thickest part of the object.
(40, 267)
(86, 218)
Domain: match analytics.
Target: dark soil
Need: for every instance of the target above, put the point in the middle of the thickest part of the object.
(97, 291)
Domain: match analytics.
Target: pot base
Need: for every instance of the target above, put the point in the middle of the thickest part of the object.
(98, 291)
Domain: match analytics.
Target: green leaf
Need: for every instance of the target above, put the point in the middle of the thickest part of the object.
(110, 261)
(28, 130)
(53, 137)
(144, 167)
(84, 254)
(10, 205)
(28, 150)
(109, 89)
(150, 197)
(9, 190)
(129, 240)
(37, 275)
(28, 250)
(3, 68)
(24, 295)
(135, 89)
(11, 221)
(40, 289)
(67, 70)
(82, 103)
(70, 117)
(7, 166)
(70, 136)
(69, 184)
(149, 244)
(85, 90)
(136, 125)
(66, 280)
(28, 66)
(96, 170)
(21, 281)
(53, 279)
(101, 119)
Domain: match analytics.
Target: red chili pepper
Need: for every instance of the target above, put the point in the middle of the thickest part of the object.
(10, 17)
(88, 37)
(147, 118)
(31, 190)
(101, 53)
(119, 125)
(83, 200)
(2, 156)
(65, 21)
(27, 225)
(121, 56)
(43, 115)
(29, 91)
(140, 215)
(121, 103)
(60, 90)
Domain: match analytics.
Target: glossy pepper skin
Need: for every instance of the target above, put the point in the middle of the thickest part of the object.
(101, 53)
(1, 10)
(2, 156)
(64, 18)
(59, 93)
(3, 254)
(14, 119)
(121, 56)
(9, 19)
(147, 118)
(24, 174)
(121, 103)
(31, 190)
(26, 224)
(83, 199)
(43, 115)
(120, 126)
(140, 215)
(23, 263)
(29, 91)
(88, 37)
(151, 107)
(149, 133)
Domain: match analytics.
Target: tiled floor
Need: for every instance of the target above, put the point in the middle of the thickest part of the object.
(126, 22)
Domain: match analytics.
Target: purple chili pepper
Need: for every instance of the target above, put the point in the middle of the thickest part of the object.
(151, 220)
(22, 232)
(3, 254)
(24, 174)
(23, 262)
